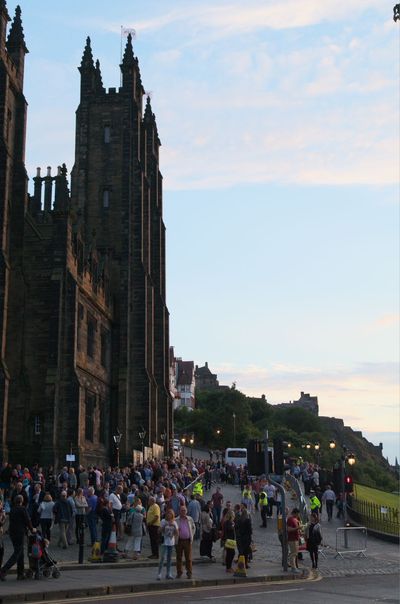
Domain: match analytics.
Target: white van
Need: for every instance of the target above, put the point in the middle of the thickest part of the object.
(236, 456)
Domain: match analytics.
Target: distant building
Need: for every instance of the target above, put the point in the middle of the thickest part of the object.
(182, 384)
(204, 379)
(307, 402)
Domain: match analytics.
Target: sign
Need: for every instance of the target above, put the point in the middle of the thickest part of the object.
(70, 457)
(384, 510)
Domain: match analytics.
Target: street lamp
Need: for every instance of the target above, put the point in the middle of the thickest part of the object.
(332, 444)
(117, 439)
(142, 436)
(234, 429)
(191, 440)
(183, 440)
(163, 437)
(317, 452)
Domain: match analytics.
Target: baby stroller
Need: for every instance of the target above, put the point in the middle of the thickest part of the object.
(41, 564)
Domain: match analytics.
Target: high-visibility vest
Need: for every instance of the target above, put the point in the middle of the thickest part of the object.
(247, 494)
(263, 499)
(315, 502)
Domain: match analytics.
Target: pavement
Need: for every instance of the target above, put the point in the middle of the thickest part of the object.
(127, 576)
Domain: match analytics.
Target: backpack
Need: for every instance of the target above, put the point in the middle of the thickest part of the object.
(36, 550)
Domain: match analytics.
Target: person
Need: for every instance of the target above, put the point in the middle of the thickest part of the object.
(270, 491)
(107, 517)
(228, 539)
(186, 531)
(81, 506)
(2, 521)
(136, 517)
(46, 515)
(313, 535)
(293, 534)
(115, 499)
(153, 520)
(263, 505)
(247, 497)
(329, 498)
(194, 511)
(315, 503)
(62, 513)
(206, 542)
(168, 531)
(244, 532)
(91, 516)
(217, 499)
(19, 522)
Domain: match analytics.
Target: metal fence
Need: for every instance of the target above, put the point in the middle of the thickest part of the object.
(381, 518)
(351, 540)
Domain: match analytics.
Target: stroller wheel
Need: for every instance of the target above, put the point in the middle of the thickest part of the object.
(56, 574)
(47, 573)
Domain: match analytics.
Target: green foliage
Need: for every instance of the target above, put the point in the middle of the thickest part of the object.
(215, 410)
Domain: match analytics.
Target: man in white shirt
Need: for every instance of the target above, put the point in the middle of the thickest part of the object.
(115, 499)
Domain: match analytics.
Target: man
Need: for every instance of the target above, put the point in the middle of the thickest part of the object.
(186, 531)
(263, 503)
(91, 515)
(115, 499)
(217, 498)
(270, 491)
(153, 522)
(194, 511)
(315, 503)
(329, 499)
(19, 490)
(63, 513)
(19, 521)
(293, 533)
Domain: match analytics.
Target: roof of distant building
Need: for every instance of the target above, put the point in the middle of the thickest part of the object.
(185, 372)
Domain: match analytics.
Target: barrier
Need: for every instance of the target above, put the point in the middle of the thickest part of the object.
(302, 504)
(351, 540)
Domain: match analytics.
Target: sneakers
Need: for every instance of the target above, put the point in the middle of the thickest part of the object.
(159, 577)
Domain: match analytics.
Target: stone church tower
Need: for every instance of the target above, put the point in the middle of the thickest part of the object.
(82, 280)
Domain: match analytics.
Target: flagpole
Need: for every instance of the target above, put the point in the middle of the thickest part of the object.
(120, 58)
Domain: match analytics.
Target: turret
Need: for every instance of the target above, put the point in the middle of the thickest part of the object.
(4, 19)
(16, 46)
(88, 71)
(98, 78)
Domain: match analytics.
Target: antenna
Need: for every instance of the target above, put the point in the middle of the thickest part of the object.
(125, 31)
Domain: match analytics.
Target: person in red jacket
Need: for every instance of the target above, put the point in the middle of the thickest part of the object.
(293, 533)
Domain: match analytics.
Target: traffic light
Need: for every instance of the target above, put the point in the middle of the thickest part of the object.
(348, 484)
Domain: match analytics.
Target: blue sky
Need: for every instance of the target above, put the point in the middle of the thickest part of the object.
(279, 123)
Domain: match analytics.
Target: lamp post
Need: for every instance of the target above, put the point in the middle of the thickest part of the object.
(117, 439)
(351, 460)
(317, 453)
(234, 429)
(191, 440)
(163, 437)
(142, 436)
(183, 440)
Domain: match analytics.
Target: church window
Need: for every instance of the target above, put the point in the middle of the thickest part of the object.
(102, 423)
(36, 425)
(90, 404)
(106, 198)
(107, 134)
(105, 348)
(91, 330)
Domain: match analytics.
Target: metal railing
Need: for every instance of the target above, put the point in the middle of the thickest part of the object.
(302, 504)
(381, 518)
(351, 540)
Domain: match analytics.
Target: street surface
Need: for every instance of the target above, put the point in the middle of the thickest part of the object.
(373, 578)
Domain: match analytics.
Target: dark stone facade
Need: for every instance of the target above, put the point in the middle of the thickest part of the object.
(83, 317)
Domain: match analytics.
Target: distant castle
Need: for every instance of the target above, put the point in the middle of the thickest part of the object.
(307, 402)
(83, 316)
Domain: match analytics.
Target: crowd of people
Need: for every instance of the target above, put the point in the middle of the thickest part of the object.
(149, 499)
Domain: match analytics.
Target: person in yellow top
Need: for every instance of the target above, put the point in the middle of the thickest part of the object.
(248, 498)
(198, 489)
(153, 521)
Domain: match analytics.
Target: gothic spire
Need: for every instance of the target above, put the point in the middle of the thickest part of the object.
(128, 58)
(148, 113)
(87, 58)
(99, 80)
(16, 38)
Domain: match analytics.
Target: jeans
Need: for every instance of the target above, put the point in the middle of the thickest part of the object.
(329, 508)
(16, 557)
(92, 524)
(166, 550)
(216, 512)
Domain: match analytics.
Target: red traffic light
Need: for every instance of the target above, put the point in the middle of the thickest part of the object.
(348, 480)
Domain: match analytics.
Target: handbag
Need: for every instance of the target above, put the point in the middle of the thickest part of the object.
(230, 543)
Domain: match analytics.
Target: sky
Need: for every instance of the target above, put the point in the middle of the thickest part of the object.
(279, 125)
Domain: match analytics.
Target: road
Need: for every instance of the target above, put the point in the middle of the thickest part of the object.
(346, 590)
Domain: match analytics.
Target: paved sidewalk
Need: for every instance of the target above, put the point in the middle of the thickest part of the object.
(129, 576)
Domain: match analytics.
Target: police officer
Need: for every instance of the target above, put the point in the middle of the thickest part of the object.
(263, 503)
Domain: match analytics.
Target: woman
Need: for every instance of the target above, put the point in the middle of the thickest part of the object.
(135, 519)
(169, 534)
(244, 532)
(206, 524)
(228, 539)
(313, 538)
(81, 506)
(46, 515)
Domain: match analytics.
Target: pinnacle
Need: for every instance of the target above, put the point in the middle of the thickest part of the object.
(87, 58)
(128, 58)
(16, 36)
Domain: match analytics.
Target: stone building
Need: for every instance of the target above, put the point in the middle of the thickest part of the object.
(83, 316)
(204, 379)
